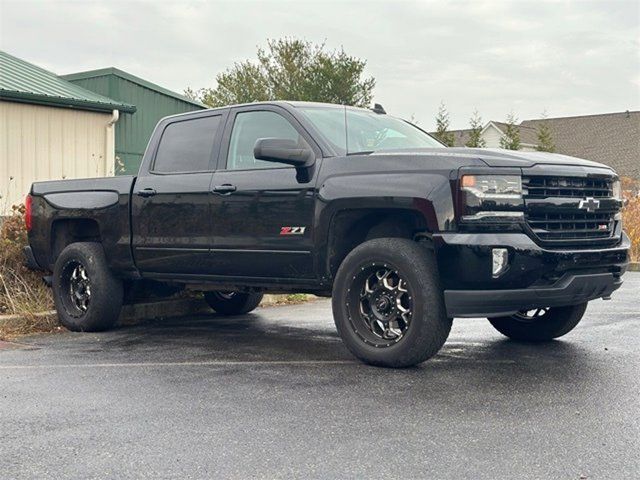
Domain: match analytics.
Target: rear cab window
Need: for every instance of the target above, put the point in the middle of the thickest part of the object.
(187, 146)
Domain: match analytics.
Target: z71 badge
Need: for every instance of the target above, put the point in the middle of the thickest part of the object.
(292, 230)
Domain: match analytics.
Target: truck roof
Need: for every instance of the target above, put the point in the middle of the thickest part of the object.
(283, 103)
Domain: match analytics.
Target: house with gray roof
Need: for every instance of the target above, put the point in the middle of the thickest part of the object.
(609, 138)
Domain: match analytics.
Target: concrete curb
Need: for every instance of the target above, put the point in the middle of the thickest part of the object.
(174, 307)
(7, 318)
(147, 310)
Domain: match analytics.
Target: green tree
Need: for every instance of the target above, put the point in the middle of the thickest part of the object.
(511, 138)
(442, 126)
(292, 69)
(545, 136)
(475, 137)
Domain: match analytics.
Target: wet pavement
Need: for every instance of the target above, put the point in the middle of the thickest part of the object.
(274, 394)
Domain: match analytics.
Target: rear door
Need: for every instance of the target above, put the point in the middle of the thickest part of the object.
(263, 214)
(171, 210)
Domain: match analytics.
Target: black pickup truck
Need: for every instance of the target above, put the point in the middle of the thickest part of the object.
(403, 233)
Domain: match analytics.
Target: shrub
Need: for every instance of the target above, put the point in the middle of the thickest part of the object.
(631, 215)
(22, 291)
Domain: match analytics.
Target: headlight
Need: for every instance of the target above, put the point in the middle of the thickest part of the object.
(617, 190)
(490, 199)
(492, 186)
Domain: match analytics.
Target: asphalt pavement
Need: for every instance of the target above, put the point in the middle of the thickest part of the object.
(275, 394)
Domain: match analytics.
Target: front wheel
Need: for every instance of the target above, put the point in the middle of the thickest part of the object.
(388, 305)
(540, 324)
(232, 303)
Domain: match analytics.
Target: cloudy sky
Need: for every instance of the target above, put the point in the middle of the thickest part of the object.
(570, 57)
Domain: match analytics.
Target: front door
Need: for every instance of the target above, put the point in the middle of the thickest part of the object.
(262, 212)
(171, 209)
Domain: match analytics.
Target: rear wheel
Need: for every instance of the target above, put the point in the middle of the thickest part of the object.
(88, 297)
(233, 303)
(388, 305)
(540, 324)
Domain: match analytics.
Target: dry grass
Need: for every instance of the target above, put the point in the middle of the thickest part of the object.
(631, 215)
(288, 299)
(22, 291)
(27, 325)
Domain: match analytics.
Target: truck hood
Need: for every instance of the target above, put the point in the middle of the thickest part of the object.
(494, 157)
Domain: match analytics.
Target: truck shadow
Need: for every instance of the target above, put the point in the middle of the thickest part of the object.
(264, 337)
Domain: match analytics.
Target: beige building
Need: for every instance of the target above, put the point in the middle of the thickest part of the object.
(50, 129)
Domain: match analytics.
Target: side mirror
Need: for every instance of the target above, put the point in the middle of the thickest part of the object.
(283, 151)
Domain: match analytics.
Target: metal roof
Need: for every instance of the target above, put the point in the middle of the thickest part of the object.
(21, 81)
(102, 72)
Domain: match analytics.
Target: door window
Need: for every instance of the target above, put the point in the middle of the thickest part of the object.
(186, 146)
(249, 127)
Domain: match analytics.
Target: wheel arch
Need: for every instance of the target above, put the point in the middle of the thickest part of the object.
(352, 227)
(71, 230)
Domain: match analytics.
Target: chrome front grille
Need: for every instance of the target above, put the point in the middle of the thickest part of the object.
(554, 216)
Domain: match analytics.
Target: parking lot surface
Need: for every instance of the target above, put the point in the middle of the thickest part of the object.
(274, 394)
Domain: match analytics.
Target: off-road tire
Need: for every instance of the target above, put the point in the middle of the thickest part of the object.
(237, 303)
(429, 326)
(556, 322)
(106, 293)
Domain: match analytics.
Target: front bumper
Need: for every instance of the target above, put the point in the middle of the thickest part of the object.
(537, 277)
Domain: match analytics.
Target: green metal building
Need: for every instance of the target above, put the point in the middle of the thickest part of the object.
(152, 103)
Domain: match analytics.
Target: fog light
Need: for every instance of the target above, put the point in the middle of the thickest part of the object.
(500, 261)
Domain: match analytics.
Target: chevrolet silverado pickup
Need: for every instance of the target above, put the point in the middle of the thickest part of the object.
(403, 233)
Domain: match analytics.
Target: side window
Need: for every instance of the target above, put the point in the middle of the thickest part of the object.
(249, 127)
(186, 146)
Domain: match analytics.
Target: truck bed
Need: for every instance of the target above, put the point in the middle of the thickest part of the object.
(93, 208)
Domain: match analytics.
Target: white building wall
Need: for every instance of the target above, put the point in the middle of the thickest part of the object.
(492, 136)
(49, 143)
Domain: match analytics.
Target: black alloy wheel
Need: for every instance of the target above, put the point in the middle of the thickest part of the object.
(388, 305)
(380, 301)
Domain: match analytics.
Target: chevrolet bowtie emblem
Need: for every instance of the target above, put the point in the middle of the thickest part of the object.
(590, 204)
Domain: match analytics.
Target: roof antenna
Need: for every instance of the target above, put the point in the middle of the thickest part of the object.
(377, 108)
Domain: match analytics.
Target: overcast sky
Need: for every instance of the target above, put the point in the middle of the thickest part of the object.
(565, 57)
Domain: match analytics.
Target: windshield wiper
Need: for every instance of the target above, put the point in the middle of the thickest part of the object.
(364, 152)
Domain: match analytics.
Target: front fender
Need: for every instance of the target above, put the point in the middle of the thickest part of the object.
(425, 197)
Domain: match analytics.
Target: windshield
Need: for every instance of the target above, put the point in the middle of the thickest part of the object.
(365, 131)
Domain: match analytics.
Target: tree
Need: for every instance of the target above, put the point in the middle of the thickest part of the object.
(475, 137)
(292, 69)
(442, 126)
(511, 138)
(545, 137)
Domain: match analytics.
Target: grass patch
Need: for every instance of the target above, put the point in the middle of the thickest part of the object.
(27, 325)
(288, 299)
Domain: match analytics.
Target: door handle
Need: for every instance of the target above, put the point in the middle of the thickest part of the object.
(146, 192)
(225, 189)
